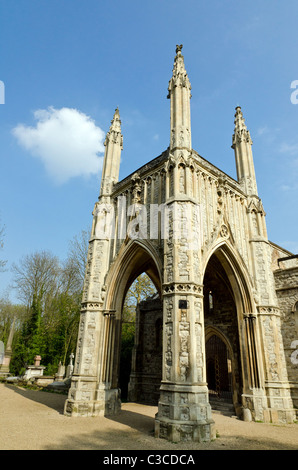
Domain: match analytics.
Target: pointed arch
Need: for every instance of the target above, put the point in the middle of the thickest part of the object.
(134, 258)
(236, 272)
(213, 330)
(210, 332)
(247, 328)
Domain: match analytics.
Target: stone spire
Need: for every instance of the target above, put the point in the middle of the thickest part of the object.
(242, 145)
(113, 146)
(180, 94)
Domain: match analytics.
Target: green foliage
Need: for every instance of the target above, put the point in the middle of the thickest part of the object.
(51, 292)
(47, 322)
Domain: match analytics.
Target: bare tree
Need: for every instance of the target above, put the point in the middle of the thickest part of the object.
(78, 250)
(35, 276)
(8, 314)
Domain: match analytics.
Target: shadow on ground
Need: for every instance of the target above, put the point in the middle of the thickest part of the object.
(129, 440)
(52, 400)
(133, 430)
(137, 421)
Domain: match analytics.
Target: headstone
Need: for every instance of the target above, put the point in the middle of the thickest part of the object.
(61, 373)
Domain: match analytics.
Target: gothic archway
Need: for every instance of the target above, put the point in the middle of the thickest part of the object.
(231, 344)
(136, 258)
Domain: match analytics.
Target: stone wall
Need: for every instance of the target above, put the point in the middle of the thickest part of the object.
(286, 280)
(146, 370)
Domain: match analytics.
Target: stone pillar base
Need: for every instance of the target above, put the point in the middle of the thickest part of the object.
(273, 406)
(254, 404)
(178, 431)
(87, 399)
(184, 414)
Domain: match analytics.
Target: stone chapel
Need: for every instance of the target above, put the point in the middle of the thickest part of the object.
(224, 322)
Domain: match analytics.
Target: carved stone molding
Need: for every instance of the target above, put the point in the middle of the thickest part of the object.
(269, 310)
(91, 306)
(183, 288)
(249, 316)
(224, 232)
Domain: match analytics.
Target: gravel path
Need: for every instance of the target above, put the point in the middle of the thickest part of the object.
(34, 420)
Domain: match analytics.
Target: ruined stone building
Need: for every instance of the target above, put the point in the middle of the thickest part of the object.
(225, 321)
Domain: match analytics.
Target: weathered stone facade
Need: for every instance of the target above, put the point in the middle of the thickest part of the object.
(199, 234)
(146, 370)
(285, 268)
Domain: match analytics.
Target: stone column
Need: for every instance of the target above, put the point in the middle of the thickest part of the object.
(280, 407)
(90, 392)
(253, 393)
(81, 398)
(184, 412)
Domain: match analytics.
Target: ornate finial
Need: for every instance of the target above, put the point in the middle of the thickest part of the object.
(116, 118)
(179, 77)
(114, 133)
(239, 119)
(241, 132)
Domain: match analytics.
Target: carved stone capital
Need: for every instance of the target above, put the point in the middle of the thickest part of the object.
(182, 288)
(91, 306)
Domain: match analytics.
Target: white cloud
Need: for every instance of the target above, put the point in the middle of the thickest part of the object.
(289, 187)
(290, 149)
(67, 141)
(263, 130)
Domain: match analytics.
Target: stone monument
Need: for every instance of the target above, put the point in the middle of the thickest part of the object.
(201, 237)
(35, 370)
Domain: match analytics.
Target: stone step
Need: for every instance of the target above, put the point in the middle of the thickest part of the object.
(222, 406)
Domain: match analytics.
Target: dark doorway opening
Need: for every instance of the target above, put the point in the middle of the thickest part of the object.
(219, 374)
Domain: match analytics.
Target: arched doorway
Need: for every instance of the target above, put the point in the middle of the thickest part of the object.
(223, 306)
(140, 371)
(136, 260)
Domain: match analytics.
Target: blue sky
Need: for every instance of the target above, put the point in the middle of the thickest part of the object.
(67, 64)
